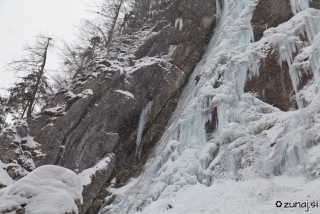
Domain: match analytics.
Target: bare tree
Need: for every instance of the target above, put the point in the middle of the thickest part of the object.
(32, 64)
(79, 60)
(110, 13)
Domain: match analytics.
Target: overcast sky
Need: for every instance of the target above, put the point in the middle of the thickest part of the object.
(22, 20)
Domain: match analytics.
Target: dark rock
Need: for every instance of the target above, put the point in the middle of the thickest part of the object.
(273, 84)
(90, 192)
(270, 13)
(107, 121)
(6, 150)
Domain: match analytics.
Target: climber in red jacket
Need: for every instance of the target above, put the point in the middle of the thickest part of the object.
(197, 79)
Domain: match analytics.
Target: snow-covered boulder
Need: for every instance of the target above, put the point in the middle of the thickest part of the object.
(47, 189)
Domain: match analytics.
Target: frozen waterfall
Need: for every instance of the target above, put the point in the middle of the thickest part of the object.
(251, 139)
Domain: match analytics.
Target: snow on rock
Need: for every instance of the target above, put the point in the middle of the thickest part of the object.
(55, 110)
(83, 94)
(18, 150)
(86, 175)
(47, 189)
(5, 179)
(95, 74)
(126, 93)
(191, 170)
(71, 97)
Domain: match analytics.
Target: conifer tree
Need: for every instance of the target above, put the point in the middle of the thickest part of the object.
(33, 87)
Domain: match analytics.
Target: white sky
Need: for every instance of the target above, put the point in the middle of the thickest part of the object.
(22, 20)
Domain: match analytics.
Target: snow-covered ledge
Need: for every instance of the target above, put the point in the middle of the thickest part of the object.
(47, 189)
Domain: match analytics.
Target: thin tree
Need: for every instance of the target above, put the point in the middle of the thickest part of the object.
(79, 60)
(32, 64)
(110, 11)
(117, 7)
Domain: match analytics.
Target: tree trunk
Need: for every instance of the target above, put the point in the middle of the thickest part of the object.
(41, 71)
(24, 110)
(113, 27)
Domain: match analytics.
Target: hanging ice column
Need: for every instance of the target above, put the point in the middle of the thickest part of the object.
(141, 127)
(299, 5)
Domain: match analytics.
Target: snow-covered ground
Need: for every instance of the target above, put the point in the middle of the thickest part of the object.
(250, 196)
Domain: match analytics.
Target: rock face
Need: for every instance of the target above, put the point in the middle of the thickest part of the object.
(121, 110)
(270, 13)
(18, 151)
(79, 128)
(273, 85)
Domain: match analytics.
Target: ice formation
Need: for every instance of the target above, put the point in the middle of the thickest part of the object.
(178, 22)
(298, 5)
(251, 139)
(142, 121)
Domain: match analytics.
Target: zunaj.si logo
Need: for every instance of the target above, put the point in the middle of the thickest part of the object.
(305, 205)
(278, 204)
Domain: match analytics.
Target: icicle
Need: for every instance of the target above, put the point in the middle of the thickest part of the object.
(179, 22)
(219, 9)
(141, 127)
(299, 5)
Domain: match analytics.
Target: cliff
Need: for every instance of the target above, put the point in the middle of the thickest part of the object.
(139, 132)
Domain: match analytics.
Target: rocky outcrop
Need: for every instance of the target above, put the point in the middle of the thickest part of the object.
(79, 129)
(18, 150)
(104, 113)
(273, 85)
(270, 13)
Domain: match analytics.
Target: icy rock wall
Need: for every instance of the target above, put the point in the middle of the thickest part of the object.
(252, 139)
(185, 148)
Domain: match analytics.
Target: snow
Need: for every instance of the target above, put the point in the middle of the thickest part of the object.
(86, 175)
(30, 143)
(126, 93)
(178, 22)
(47, 189)
(243, 197)
(119, 192)
(55, 110)
(257, 154)
(95, 74)
(83, 94)
(5, 179)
